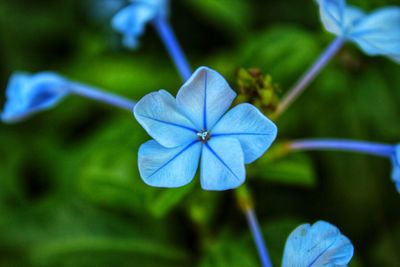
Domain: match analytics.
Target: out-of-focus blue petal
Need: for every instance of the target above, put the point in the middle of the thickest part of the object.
(222, 164)
(159, 115)
(396, 168)
(131, 20)
(246, 123)
(321, 244)
(338, 18)
(168, 167)
(332, 13)
(379, 33)
(352, 16)
(29, 94)
(130, 41)
(205, 97)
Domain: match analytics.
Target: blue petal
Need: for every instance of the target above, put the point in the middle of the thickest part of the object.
(338, 18)
(254, 131)
(131, 21)
(352, 16)
(205, 97)
(29, 94)
(332, 14)
(222, 164)
(168, 167)
(321, 244)
(130, 41)
(157, 112)
(379, 33)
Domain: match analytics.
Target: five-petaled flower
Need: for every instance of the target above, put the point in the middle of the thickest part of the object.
(132, 20)
(396, 167)
(28, 94)
(377, 33)
(320, 244)
(194, 125)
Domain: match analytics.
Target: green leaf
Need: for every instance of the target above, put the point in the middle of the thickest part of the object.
(294, 169)
(113, 72)
(233, 16)
(105, 251)
(372, 98)
(163, 200)
(65, 231)
(109, 175)
(282, 51)
(385, 251)
(231, 249)
(10, 156)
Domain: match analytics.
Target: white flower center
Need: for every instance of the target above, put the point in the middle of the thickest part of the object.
(203, 135)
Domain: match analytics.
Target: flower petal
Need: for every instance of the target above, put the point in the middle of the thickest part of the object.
(379, 33)
(332, 15)
(205, 97)
(132, 20)
(321, 244)
(222, 165)
(338, 18)
(168, 167)
(352, 16)
(29, 94)
(158, 113)
(246, 123)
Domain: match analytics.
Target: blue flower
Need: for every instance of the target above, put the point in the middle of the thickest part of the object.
(28, 94)
(396, 167)
(194, 125)
(320, 244)
(377, 33)
(131, 20)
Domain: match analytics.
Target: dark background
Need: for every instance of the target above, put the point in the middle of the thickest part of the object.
(70, 194)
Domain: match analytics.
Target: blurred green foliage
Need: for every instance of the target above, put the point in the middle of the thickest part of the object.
(70, 193)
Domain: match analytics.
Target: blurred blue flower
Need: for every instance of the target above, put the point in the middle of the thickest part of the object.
(377, 33)
(194, 125)
(28, 94)
(320, 244)
(131, 20)
(396, 167)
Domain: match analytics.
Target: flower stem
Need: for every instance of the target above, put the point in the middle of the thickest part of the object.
(172, 45)
(376, 149)
(243, 197)
(257, 236)
(309, 76)
(101, 96)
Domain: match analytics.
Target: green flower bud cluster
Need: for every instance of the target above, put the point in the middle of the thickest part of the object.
(257, 88)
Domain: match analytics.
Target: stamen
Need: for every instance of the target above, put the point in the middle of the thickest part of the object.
(203, 135)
